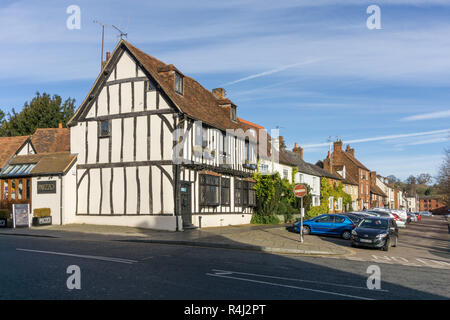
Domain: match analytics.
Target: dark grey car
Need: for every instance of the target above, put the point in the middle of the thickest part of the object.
(375, 232)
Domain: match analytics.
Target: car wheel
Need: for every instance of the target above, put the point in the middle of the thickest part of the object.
(346, 235)
(306, 230)
(386, 245)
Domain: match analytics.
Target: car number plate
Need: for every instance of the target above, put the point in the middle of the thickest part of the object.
(365, 240)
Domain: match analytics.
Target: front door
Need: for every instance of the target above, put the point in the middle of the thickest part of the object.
(186, 210)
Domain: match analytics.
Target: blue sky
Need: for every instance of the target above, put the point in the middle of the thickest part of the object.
(310, 67)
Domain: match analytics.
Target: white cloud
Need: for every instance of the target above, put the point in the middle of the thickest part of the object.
(428, 116)
(276, 70)
(384, 138)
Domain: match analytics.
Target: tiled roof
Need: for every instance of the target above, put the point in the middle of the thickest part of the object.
(355, 161)
(9, 146)
(324, 173)
(47, 163)
(302, 165)
(196, 101)
(376, 190)
(51, 140)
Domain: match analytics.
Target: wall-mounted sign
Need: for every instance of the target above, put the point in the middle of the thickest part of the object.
(46, 187)
(2, 223)
(21, 215)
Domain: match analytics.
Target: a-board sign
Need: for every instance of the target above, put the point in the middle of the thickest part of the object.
(21, 215)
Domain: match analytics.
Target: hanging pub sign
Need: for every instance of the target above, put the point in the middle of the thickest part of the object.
(46, 187)
(21, 215)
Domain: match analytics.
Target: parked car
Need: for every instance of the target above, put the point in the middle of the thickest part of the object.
(355, 217)
(411, 217)
(330, 224)
(375, 232)
(426, 213)
(392, 215)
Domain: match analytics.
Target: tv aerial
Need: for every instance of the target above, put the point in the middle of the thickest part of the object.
(121, 33)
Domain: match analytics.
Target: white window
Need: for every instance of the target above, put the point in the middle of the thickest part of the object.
(330, 203)
(178, 83)
(286, 173)
(339, 204)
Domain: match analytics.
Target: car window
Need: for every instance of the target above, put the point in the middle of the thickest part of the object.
(326, 219)
(374, 223)
(339, 219)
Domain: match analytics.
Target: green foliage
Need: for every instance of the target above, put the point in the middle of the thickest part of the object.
(42, 212)
(274, 196)
(258, 219)
(326, 191)
(44, 111)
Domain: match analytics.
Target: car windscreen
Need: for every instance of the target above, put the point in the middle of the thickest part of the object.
(374, 224)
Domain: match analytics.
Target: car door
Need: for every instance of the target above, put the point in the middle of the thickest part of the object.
(339, 224)
(324, 224)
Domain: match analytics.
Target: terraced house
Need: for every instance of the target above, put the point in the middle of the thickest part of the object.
(157, 150)
(354, 169)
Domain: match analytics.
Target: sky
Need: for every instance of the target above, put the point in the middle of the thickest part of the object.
(311, 68)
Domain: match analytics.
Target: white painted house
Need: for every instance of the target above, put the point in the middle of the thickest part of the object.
(157, 150)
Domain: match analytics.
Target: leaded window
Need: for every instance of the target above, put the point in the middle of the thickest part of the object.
(225, 191)
(209, 190)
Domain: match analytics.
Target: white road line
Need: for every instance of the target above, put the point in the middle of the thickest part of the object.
(287, 286)
(119, 260)
(225, 272)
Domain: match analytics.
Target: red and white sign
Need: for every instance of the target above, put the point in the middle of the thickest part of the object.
(300, 190)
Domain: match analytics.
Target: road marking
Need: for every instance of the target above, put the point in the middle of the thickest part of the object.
(225, 272)
(110, 259)
(288, 286)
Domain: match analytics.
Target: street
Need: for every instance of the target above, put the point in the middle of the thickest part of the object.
(35, 268)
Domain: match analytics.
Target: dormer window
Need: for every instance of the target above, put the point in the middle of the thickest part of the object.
(233, 113)
(178, 83)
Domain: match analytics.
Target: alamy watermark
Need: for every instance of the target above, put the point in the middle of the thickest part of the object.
(74, 280)
(232, 147)
(374, 280)
(374, 20)
(73, 22)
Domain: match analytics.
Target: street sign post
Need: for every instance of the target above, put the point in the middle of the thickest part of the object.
(300, 191)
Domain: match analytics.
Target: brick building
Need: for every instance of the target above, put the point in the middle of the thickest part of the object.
(431, 203)
(355, 170)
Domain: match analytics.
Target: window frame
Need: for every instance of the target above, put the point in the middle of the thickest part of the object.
(225, 186)
(100, 129)
(206, 184)
(179, 83)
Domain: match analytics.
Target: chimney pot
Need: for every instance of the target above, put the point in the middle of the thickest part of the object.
(60, 125)
(108, 55)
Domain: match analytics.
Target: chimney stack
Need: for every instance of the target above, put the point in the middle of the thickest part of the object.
(298, 150)
(337, 146)
(219, 93)
(350, 151)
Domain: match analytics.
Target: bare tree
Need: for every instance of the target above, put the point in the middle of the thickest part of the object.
(443, 178)
(424, 178)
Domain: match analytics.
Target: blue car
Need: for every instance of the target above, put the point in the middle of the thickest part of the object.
(330, 224)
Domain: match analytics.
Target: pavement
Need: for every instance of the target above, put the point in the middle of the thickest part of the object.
(263, 238)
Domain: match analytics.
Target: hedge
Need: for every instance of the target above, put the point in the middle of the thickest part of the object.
(42, 212)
